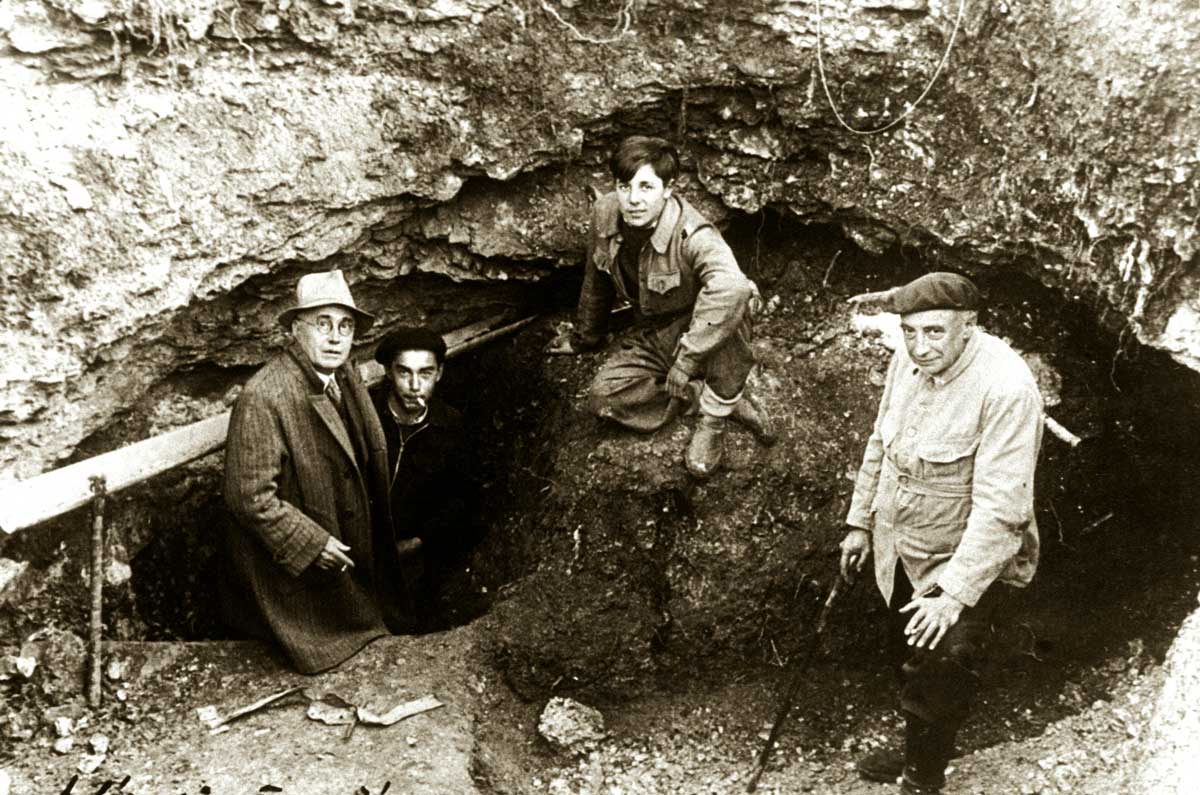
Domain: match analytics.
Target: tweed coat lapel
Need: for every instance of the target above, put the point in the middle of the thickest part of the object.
(321, 404)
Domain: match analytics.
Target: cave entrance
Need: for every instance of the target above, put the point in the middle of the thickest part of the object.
(1118, 513)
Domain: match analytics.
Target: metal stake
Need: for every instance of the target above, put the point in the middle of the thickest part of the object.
(95, 660)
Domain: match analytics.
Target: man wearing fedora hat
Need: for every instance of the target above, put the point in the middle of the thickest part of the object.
(306, 479)
(944, 502)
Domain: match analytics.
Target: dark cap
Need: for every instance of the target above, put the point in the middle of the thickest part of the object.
(939, 290)
(410, 338)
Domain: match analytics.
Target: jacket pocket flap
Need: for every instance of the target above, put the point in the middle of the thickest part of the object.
(663, 282)
(945, 451)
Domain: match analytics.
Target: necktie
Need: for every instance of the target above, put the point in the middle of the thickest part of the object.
(334, 393)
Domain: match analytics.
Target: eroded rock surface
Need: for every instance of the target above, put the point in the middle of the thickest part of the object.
(171, 169)
(1167, 756)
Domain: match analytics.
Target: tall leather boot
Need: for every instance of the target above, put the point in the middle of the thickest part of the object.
(927, 750)
(707, 447)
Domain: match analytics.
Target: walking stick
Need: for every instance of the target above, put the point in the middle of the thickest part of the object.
(794, 685)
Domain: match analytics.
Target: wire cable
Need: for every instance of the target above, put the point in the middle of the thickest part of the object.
(936, 72)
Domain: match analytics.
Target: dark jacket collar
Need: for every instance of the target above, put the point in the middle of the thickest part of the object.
(667, 219)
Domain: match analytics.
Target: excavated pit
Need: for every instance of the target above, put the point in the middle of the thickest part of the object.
(569, 595)
(174, 169)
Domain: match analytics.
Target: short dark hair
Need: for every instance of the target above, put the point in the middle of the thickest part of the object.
(410, 338)
(641, 150)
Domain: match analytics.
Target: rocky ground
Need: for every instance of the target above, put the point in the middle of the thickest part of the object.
(703, 737)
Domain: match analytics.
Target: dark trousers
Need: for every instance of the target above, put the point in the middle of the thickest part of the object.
(939, 685)
(630, 387)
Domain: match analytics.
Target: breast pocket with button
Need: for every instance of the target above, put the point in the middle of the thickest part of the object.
(936, 498)
(663, 282)
(950, 460)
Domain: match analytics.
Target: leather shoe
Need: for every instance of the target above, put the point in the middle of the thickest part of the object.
(749, 413)
(705, 450)
(884, 765)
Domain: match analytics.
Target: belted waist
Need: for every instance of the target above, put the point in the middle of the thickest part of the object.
(927, 487)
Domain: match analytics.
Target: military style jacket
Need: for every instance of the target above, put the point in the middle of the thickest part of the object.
(686, 266)
(946, 483)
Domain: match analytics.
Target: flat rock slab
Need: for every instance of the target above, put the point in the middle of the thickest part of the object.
(158, 740)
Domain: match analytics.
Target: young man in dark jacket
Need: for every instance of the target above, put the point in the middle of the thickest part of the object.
(433, 494)
(690, 346)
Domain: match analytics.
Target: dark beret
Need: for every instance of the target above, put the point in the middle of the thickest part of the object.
(934, 291)
(410, 338)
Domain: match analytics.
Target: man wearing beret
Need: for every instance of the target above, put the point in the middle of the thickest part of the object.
(306, 478)
(944, 502)
(690, 346)
(432, 491)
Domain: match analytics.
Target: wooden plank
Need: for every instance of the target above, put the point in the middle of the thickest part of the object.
(29, 502)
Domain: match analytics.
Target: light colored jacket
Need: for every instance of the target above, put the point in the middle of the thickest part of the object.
(946, 483)
(686, 266)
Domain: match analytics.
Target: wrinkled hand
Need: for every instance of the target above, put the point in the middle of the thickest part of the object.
(408, 546)
(677, 383)
(334, 556)
(856, 546)
(870, 298)
(932, 617)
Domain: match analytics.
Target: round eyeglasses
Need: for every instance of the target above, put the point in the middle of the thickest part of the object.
(325, 325)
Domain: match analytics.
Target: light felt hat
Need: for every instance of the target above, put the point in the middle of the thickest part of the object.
(325, 289)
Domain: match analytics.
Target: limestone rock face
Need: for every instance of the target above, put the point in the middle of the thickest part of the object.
(1167, 758)
(170, 169)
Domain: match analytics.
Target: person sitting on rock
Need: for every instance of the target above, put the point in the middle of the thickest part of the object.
(432, 490)
(944, 502)
(690, 346)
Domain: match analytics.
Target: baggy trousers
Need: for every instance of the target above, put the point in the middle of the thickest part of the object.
(939, 685)
(630, 387)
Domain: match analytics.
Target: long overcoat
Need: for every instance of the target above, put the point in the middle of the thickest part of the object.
(292, 480)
